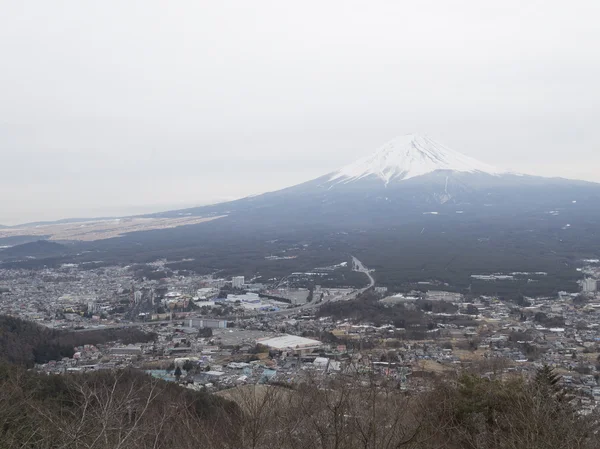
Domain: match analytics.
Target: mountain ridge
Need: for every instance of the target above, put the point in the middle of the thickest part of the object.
(409, 167)
(407, 176)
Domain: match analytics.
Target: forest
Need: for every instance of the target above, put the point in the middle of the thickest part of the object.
(367, 308)
(446, 253)
(26, 343)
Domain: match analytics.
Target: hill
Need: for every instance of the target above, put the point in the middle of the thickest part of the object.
(39, 248)
(25, 343)
(122, 409)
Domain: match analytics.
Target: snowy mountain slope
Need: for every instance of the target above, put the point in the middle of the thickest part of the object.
(406, 178)
(407, 157)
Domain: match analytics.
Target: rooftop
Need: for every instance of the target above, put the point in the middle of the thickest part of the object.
(289, 342)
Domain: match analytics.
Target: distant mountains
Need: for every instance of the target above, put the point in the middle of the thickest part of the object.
(40, 248)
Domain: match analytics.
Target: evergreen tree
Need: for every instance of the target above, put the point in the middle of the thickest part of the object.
(178, 373)
(548, 384)
(546, 377)
(188, 365)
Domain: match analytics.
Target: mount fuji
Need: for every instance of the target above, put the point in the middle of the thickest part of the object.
(414, 210)
(404, 180)
(408, 157)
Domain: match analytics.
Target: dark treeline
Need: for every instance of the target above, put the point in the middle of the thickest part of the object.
(14, 240)
(39, 248)
(444, 252)
(25, 343)
(367, 308)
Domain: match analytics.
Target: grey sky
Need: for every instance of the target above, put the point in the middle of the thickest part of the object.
(117, 107)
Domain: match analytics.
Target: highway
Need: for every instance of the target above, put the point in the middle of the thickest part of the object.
(358, 266)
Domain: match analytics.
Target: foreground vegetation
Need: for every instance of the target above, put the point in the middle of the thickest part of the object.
(125, 409)
(128, 409)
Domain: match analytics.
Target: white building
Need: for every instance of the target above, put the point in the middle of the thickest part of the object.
(291, 344)
(436, 295)
(204, 294)
(217, 283)
(200, 323)
(589, 285)
(237, 282)
(93, 307)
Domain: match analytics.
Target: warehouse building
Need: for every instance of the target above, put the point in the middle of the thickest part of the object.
(291, 344)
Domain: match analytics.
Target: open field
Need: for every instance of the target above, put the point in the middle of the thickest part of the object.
(249, 397)
(101, 229)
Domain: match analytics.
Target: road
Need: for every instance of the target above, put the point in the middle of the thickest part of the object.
(122, 325)
(358, 266)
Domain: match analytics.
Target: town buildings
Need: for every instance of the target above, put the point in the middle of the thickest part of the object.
(237, 282)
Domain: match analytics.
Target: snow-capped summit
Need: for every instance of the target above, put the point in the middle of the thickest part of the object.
(416, 182)
(409, 156)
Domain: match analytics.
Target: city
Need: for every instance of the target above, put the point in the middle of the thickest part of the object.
(215, 334)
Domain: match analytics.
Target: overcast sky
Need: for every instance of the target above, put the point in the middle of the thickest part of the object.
(116, 107)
